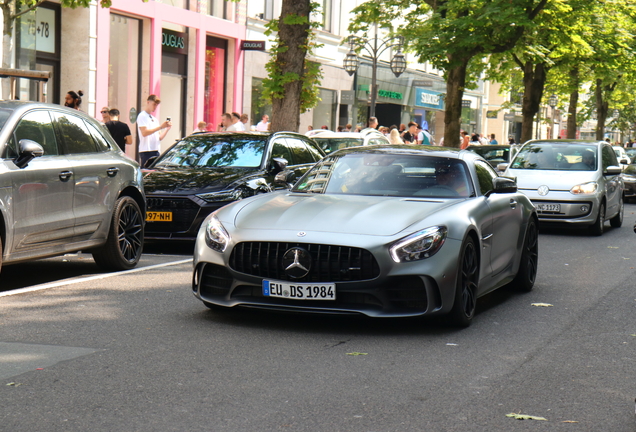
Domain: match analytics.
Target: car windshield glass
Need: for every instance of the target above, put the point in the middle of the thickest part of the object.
(493, 155)
(4, 116)
(557, 157)
(388, 175)
(333, 144)
(214, 151)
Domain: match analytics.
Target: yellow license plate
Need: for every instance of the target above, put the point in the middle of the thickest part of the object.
(157, 216)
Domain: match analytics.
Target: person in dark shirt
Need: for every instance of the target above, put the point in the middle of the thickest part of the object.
(410, 136)
(118, 130)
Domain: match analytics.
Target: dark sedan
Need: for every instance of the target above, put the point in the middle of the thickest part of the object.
(204, 172)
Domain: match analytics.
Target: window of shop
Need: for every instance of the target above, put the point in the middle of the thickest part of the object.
(124, 71)
(183, 4)
(217, 8)
(38, 48)
(326, 14)
(260, 107)
(174, 71)
(215, 60)
(325, 113)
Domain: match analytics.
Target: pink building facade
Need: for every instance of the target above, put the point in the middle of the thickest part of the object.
(186, 52)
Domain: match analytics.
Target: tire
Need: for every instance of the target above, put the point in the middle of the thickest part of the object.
(527, 274)
(597, 228)
(125, 241)
(617, 221)
(466, 287)
(0, 253)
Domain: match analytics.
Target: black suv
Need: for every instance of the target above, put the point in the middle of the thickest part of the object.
(205, 171)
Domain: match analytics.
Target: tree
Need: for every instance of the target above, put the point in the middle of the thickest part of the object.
(451, 34)
(12, 9)
(292, 82)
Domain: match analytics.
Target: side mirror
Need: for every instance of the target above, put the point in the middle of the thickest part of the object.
(280, 164)
(624, 161)
(285, 179)
(503, 185)
(150, 161)
(29, 150)
(502, 167)
(613, 170)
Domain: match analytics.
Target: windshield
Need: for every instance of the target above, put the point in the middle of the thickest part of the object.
(388, 175)
(494, 156)
(557, 157)
(4, 116)
(214, 151)
(332, 144)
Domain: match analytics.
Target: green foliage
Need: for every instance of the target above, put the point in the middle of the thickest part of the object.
(274, 84)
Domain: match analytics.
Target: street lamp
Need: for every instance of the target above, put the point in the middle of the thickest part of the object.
(375, 48)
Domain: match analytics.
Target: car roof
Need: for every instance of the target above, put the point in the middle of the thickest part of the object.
(407, 150)
(247, 134)
(489, 146)
(565, 141)
(329, 134)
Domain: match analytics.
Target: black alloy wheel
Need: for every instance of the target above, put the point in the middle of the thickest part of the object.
(527, 274)
(466, 289)
(124, 245)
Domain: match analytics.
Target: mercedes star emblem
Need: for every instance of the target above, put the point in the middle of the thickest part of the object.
(297, 262)
(543, 190)
(301, 234)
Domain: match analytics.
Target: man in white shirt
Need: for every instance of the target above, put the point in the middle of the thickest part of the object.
(263, 125)
(229, 122)
(237, 123)
(151, 132)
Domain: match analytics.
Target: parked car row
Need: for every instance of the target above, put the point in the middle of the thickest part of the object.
(379, 230)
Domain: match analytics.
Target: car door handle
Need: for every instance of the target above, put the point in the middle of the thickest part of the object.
(112, 172)
(513, 203)
(65, 175)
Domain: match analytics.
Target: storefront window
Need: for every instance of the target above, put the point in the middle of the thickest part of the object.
(124, 69)
(260, 107)
(183, 4)
(214, 102)
(325, 111)
(217, 8)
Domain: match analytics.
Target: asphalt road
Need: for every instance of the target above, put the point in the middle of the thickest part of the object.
(136, 351)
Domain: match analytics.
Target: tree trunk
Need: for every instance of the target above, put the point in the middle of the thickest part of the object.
(290, 60)
(7, 45)
(602, 106)
(534, 77)
(455, 82)
(574, 100)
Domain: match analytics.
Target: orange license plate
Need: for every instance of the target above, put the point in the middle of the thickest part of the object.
(157, 216)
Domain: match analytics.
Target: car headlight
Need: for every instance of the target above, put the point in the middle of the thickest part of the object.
(420, 245)
(584, 189)
(216, 237)
(220, 196)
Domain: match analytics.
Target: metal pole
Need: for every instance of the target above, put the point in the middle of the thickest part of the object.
(374, 71)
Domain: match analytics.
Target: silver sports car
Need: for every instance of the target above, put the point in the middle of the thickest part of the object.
(384, 231)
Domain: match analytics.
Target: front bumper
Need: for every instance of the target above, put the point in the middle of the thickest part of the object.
(417, 288)
(575, 209)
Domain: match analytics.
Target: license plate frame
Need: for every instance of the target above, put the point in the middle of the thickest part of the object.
(158, 216)
(548, 207)
(299, 291)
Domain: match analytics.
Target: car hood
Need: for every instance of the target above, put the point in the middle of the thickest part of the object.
(349, 214)
(555, 180)
(193, 181)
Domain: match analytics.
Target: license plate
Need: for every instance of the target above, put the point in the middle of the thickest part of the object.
(158, 216)
(299, 291)
(555, 208)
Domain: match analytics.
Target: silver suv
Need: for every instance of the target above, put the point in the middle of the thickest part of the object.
(65, 186)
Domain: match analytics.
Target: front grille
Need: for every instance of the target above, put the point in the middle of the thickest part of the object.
(215, 281)
(329, 263)
(184, 211)
(408, 292)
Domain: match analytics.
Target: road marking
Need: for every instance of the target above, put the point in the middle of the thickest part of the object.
(89, 278)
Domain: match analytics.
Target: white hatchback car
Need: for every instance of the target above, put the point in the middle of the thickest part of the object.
(571, 181)
(332, 141)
